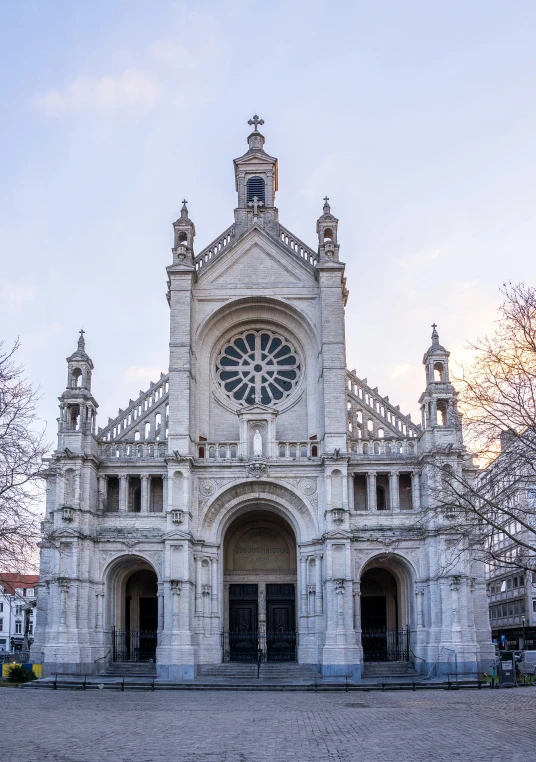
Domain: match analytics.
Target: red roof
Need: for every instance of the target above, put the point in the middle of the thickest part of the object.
(11, 580)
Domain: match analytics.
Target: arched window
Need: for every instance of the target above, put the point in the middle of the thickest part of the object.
(76, 377)
(255, 187)
(328, 235)
(439, 372)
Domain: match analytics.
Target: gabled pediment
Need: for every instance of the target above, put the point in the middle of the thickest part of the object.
(258, 260)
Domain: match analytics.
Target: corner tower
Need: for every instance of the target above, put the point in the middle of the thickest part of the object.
(439, 411)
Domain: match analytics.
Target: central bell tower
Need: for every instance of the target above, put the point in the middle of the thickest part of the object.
(256, 184)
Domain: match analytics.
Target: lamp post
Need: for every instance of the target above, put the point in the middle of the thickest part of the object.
(523, 625)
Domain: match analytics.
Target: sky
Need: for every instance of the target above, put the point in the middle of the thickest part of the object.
(417, 119)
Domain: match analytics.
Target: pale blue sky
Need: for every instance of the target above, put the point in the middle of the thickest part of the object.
(416, 118)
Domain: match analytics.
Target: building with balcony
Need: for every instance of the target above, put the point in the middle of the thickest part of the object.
(259, 498)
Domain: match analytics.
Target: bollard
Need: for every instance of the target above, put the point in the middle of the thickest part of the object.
(413, 685)
(55, 683)
(152, 685)
(123, 684)
(84, 683)
(346, 682)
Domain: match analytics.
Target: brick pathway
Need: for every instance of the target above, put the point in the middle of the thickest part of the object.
(106, 726)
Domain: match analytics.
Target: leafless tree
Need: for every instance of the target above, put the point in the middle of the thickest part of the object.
(495, 510)
(22, 448)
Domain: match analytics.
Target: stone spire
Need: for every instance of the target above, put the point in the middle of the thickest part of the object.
(183, 241)
(326, 227)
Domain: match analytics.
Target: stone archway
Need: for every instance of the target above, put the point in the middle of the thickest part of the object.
(259, 583)
(385, 595)
(132, 609)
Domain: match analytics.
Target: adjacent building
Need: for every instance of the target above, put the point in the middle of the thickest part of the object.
(259, 495)
(17, 610)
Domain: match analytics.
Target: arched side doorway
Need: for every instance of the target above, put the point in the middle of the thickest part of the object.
(133, 610)
(259, 588)
(384, 616)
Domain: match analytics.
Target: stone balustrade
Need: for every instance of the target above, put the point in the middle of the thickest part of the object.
(214, 451)
(214, 249)
(385, 447)
(297, 247)
(133, 451)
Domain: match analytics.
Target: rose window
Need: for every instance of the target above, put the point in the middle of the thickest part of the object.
(258, 366)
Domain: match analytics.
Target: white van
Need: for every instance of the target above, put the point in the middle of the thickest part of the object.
(527, 663)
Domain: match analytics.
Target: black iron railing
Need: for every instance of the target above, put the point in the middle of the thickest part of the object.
(385, 645)
(134, 645)
(254, 646)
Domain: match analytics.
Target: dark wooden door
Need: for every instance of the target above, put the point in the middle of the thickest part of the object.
(243, 618)
(373, 612)
(280, 623)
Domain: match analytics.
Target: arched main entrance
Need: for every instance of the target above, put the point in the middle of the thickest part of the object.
(384, 623)
(259, 588)
(133, 610)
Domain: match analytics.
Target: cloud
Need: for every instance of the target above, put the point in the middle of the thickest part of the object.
(15, 296)
(132, 90)
(141, 374)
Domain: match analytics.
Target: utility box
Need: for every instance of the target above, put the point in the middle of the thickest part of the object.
(506, 669)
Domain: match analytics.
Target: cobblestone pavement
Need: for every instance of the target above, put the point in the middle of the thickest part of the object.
(106, 726)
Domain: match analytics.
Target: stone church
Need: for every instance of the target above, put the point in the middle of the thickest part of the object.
(260, 500)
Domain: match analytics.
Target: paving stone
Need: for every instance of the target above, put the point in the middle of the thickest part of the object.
(101, 726)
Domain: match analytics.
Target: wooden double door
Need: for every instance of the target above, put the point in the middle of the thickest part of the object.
(247, 641)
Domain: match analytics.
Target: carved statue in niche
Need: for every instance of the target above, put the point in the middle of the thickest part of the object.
(257, 444)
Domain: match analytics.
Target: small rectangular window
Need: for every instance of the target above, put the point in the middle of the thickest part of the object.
(18, 628)
(1, 625)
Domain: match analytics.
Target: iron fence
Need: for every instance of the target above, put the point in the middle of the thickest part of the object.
(134, 645)
(259, 646)
(385, 645)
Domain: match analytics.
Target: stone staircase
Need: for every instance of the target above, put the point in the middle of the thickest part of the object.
(390, 669)
(271, 671)
(131, 669)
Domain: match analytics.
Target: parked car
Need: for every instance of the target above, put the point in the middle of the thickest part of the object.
(527, 663)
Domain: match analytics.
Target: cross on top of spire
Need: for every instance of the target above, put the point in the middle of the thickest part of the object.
(435, 335)
(256, 121)
(81, 340)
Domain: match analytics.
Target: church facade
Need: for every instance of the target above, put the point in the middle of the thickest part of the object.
(259, 500)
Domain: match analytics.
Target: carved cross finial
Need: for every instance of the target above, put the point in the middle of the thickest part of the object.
(255, 203)
(184, 201)
(81, 341)
(82, 332)
(326, 199)
(434, 326)
(256, 121)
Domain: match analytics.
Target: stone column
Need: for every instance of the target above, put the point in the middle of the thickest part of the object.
(214, 579)
(394, 491)
(318, 584)
(123, 493)
(160, 608)
(100, 602)
(420, 607)
(303, 584)
(198, 592)
(356, 588)
(176, 587)
(165, 485)
(416, 490)
(103, 494)
(144, 506)
(371, 491)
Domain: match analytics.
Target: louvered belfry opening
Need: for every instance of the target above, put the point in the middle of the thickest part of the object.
(256, 188)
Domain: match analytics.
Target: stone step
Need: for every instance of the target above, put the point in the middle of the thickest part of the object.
(389, 669)
(131, 669)
(233, 671)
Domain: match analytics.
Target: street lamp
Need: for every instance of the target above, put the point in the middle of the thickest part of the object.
(523, 625)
